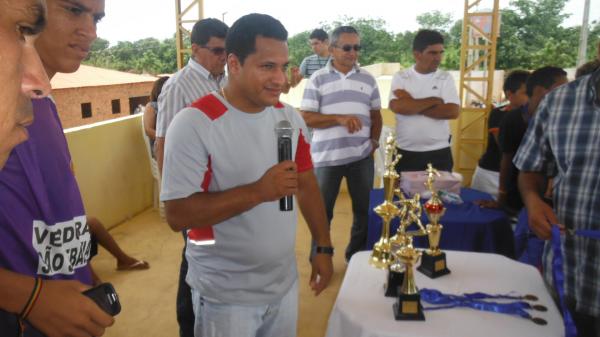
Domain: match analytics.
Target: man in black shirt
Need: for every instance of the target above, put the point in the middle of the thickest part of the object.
(512, 130)
(487, 173)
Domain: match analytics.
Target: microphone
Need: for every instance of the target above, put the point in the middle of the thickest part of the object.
(284, 132)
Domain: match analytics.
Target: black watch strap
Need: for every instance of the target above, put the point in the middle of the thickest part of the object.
(324, 250)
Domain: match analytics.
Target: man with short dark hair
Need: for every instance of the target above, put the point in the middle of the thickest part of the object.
(44, 238)
(424, 98)
(562, 142)
(205, 72)
(512, 130)
(319, 42)
(221, 171)
(341, 103)
(487, 173)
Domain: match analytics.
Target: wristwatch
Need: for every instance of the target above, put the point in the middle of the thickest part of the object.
(324, 250)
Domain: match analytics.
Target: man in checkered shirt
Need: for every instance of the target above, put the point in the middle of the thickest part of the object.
(564, 142)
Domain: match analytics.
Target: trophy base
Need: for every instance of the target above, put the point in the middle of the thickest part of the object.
(408, 308)
(434, 266)
(394, 281)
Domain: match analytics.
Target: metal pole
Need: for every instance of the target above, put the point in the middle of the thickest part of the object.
(583, 35)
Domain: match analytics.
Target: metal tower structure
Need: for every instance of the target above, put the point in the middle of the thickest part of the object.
(187, 12)
(477, 64)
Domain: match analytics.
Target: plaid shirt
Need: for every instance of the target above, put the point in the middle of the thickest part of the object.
(564, 140)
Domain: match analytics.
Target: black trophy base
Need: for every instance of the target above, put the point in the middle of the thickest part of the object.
(434, 266)
(409, 308)
(394, 281)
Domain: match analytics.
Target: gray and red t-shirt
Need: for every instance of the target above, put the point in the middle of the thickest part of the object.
(213, 147)
(43, 228)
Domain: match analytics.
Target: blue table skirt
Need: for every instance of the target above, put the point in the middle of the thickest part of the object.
(467, 227)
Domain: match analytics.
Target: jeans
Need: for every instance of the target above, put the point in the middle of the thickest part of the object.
(185, 309)
(359, 177)
(217, 319)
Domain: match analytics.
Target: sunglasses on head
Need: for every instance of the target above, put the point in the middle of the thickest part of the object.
(349, 47)
(215, 50)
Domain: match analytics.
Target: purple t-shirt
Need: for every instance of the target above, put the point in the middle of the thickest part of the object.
(43, 228)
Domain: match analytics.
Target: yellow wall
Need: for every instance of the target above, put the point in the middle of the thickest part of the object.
(112, 168)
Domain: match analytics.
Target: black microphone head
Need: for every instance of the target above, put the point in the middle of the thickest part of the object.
(284, 129)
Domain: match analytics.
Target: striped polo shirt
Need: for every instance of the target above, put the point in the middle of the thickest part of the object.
(311, 64)
(187, 85)
(328, 91)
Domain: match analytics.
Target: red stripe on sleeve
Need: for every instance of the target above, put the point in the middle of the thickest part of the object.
(303, 159)
(211, 106)
(205, 235)
(207, 176)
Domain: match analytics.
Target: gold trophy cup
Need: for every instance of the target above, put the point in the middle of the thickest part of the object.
(381, 257)
(408, 303)
(433, 263)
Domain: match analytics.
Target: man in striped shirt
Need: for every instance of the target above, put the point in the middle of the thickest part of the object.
(319, 42)
(563, 142)
(204, 73)
(342, 103)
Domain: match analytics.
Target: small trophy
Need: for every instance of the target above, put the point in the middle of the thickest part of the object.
(381, 256)
(408, 304)
(395, 275)
(433, 262)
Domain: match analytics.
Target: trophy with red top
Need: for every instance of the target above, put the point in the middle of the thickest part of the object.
(433, 261)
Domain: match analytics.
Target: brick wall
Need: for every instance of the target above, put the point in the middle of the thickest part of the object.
(69, 100)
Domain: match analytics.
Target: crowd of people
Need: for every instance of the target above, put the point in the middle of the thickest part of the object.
(223, 177)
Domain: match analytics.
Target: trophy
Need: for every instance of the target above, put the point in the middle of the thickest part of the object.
(408, 304)
(381, 256)
(433, 262)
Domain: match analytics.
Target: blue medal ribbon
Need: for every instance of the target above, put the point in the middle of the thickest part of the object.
(447, 301)
(559, 282)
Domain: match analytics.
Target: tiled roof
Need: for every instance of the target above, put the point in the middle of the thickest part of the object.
(88, 76)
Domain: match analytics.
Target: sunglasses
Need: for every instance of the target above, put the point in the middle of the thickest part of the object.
(215, 50)
(349, 47)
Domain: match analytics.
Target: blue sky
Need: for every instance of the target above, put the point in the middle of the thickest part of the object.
(130, 20)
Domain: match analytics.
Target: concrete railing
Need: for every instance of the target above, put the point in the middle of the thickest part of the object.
(112, 169)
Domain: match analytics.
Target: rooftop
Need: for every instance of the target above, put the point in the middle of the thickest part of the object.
(88, 76)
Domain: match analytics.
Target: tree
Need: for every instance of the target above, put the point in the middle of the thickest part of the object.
(532, 35)
(299, 48)
(435, 20)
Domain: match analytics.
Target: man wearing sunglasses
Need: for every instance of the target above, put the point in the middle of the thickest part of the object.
(204, 73)
(341, 102)
(424, 98)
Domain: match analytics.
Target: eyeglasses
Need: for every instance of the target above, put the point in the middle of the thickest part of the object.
(349, 47)
(218, 51)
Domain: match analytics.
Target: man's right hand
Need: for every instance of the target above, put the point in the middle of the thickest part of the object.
(350, 122)
(541, 218)
(61, 310)
(279, 181)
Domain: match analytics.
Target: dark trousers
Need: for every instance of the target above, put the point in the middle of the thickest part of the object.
(417, 161)
(587, 326)
(185, 308)
(359, 177)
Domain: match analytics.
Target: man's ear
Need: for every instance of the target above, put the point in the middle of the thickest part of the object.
(416, 54)
(233, 64)
(195, 49)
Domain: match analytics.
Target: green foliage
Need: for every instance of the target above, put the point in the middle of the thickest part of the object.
(143, 56)
(531, 36)
(435, 20)
(299, 48)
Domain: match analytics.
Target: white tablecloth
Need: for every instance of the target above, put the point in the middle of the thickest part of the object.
(361, 309)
